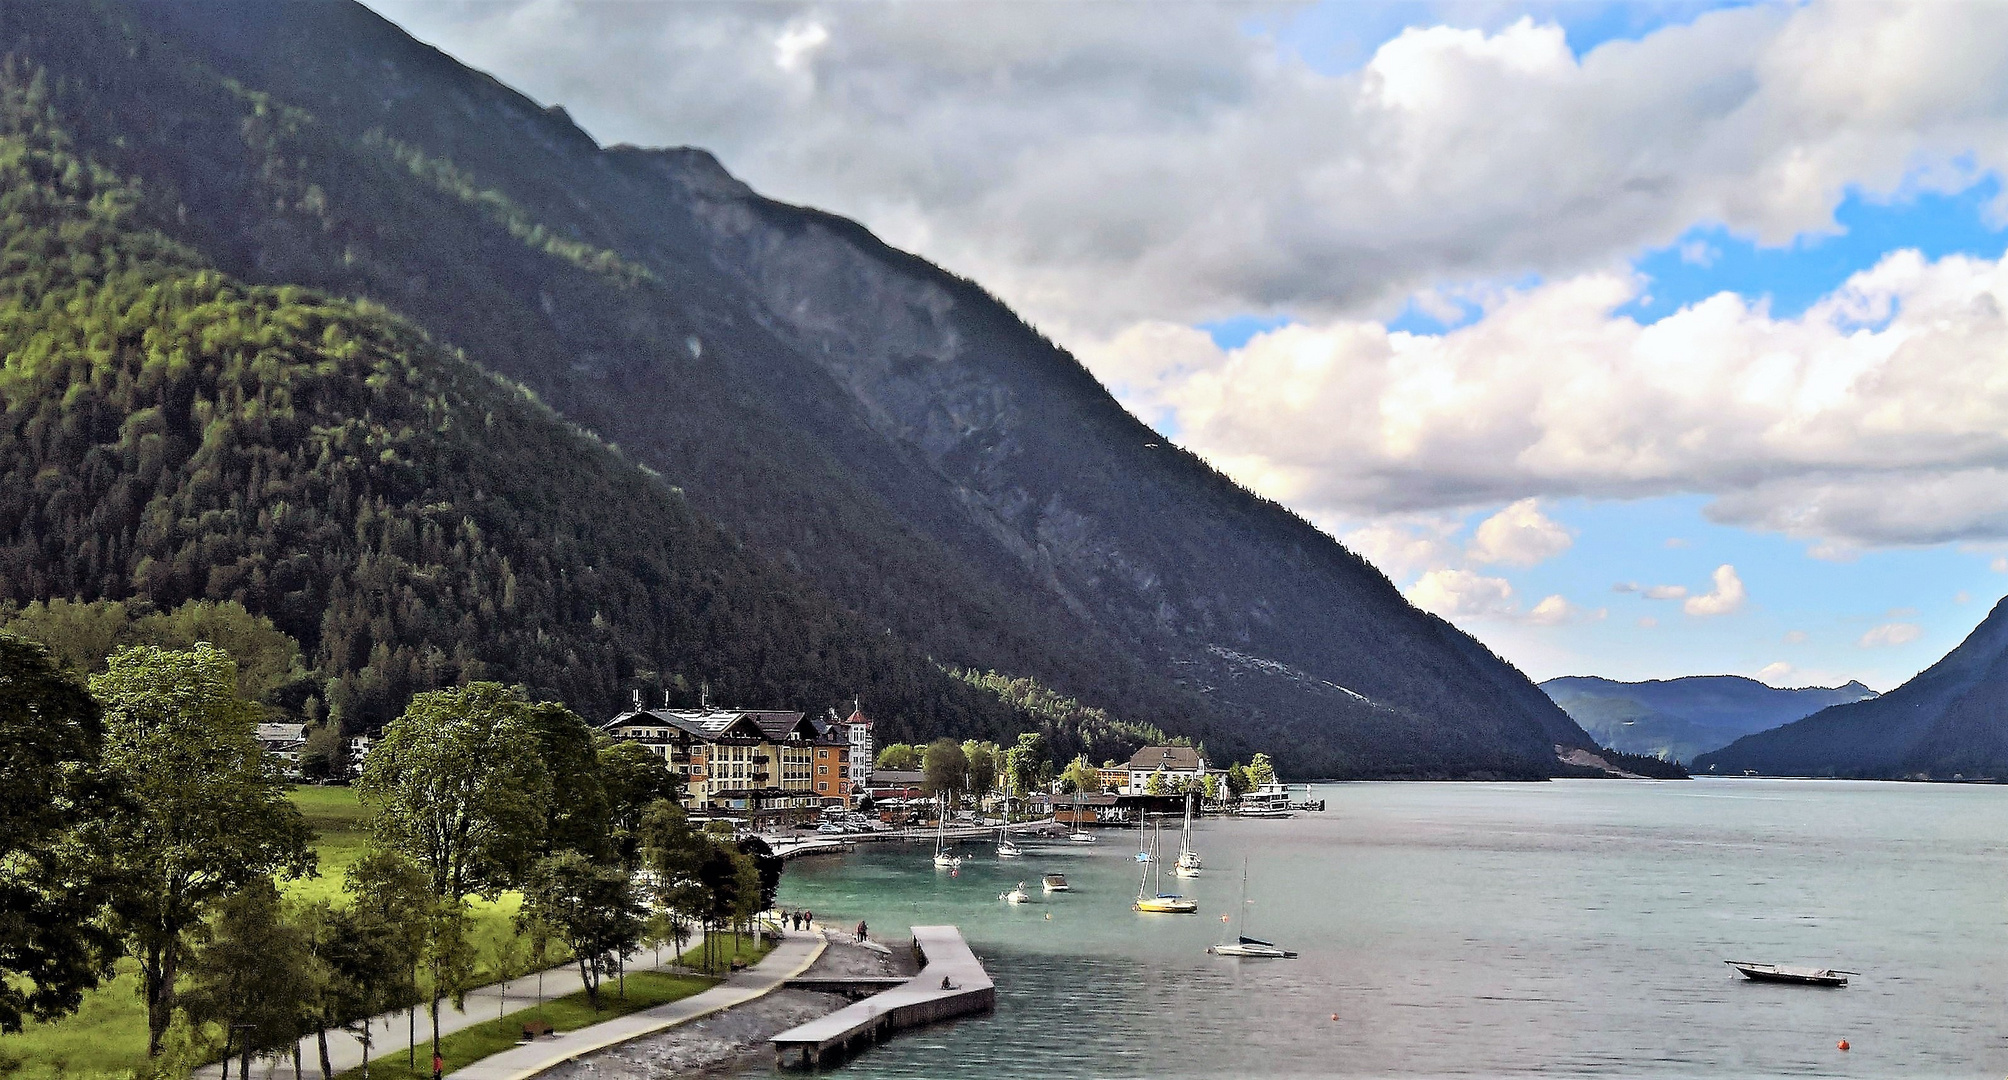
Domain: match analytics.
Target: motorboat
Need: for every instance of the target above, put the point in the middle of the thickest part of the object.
(1017, 895)
(1055, 883)
(1159, 903)
(1188, 864)
(1248, 948)
(1802, 976)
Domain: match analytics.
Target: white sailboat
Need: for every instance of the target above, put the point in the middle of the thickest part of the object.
(944, 859)
(1017, 895)
(1160, 903)
(1246, 947)
(1079, 835)
(1144, 853)
(1188, 858)
(1005, 848)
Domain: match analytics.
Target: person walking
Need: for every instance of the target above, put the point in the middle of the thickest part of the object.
(861, 931)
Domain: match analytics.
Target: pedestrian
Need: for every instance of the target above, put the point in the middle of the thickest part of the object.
(438, 1065)
(809, 919)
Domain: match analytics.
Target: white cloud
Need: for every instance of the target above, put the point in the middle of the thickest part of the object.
(1775, 673)
(1962, 597)
(1457, 594)
(1877, 417)
(1795, 637)
(1726, 597)
(1401, 546)
(1556, 609)
(1108, 163)
(1519, 535)
(1999, 565)
(1897, 633)
(1677, 542)
(1665, 592)
(1647, 621)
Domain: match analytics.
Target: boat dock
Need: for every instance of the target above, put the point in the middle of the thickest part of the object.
(951, 983)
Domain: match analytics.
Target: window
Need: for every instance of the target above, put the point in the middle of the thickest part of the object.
(822, 770)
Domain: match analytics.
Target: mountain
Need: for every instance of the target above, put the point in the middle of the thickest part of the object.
(1949, 721)
(1676, 719)
(887, 435)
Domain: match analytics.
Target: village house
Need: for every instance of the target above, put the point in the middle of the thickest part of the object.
(1175, 762)
(285, 742)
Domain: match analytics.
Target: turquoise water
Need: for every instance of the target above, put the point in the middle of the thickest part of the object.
(1575, 928)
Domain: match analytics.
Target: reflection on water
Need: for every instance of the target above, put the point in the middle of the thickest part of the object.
(1572, 928)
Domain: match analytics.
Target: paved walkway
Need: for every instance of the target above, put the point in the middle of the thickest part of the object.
(790, 958)
(389, 1031)
(952, 982)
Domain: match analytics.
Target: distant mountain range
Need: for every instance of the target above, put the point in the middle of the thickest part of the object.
(1678, 719)
(863, 474)
(1950, 721)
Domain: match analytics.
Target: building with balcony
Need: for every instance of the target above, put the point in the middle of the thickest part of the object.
(754, 762)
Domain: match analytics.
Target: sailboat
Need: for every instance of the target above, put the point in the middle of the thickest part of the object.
(1144, 853)
(1079, 835)
(1160, 903)
(1243, 945)
(1005, 848)
(944, 859)
(1017, 895)
(1188, 859)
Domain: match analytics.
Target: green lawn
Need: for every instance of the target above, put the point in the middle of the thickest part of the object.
(645, 989)
(106, 1038)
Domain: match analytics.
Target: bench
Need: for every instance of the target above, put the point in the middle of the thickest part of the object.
(536, 1029)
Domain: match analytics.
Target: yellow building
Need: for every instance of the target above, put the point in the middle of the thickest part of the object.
(738, 761)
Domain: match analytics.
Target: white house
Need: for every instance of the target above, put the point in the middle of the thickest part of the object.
(1176, 762)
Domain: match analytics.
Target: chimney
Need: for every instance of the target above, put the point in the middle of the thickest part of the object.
(637, 699)
(665, 698)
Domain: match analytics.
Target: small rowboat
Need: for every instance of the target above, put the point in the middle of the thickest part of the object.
(1803, 976)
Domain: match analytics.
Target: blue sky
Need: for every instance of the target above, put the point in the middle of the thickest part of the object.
(1504, 295)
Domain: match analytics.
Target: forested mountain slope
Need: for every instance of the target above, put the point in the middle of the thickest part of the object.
(887, 432)
(1676, 719)
(1951, 719)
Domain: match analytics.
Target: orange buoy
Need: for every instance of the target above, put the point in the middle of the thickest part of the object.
(1843, 1044)
(1335, 1017)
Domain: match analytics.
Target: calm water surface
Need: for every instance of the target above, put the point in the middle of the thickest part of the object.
(1575, 928)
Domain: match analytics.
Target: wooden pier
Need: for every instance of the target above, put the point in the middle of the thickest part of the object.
(951, 983)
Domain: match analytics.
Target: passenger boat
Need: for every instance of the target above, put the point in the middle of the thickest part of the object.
(1267, 801)
(1188, 864)
(1017, 895)
(1803, 976)
(1055, 883)
(1244, 946)
(1160, 903)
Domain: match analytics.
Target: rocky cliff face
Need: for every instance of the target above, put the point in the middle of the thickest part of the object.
(888, 431)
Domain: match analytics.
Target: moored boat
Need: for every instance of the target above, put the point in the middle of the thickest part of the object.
(1802, 976)
(1005, 848)
(1055, 883)
(1188, 864)
(1243, 946)
(1159, 903)
(1017, 895)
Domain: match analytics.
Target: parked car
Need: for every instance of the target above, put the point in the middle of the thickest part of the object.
(831, 827)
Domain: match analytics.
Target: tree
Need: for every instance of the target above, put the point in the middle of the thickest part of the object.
(983, 766)
(1260, 771)
(207, 817)
(634, 780)
(944, 768)
(1238, 783)
(1157, 784)
(256, 977)
(393, 894)
(365, 964)
(1021, 764)
(898, 757)
(1211, 787)
(577, 815)
(1080, 776)
(457, 786)
(83, 636)
(591, 908)
(52, 949)
(674, 855)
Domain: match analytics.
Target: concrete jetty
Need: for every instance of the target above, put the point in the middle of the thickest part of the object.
(951, 983)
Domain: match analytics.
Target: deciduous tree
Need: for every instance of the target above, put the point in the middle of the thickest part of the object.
(944, 768)
(591, 908)
(634, 780)
(52, 949)
(208, 813)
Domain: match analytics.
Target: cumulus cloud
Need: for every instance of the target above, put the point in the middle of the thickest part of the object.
(1108, 163)
(1726, 597)
(1774, 673)
(1877, 417)
(1519, 535)
(1401, 546)
(1455, 593)
(1897, 633)
(1556, 609)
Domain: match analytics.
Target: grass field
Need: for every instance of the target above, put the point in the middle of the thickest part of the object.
(106, 1038)
(645, 989)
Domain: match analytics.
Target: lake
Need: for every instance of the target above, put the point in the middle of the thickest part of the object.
(1574, 928)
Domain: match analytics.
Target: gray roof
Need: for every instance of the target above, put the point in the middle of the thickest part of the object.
(1172, 758)
(896, 778)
